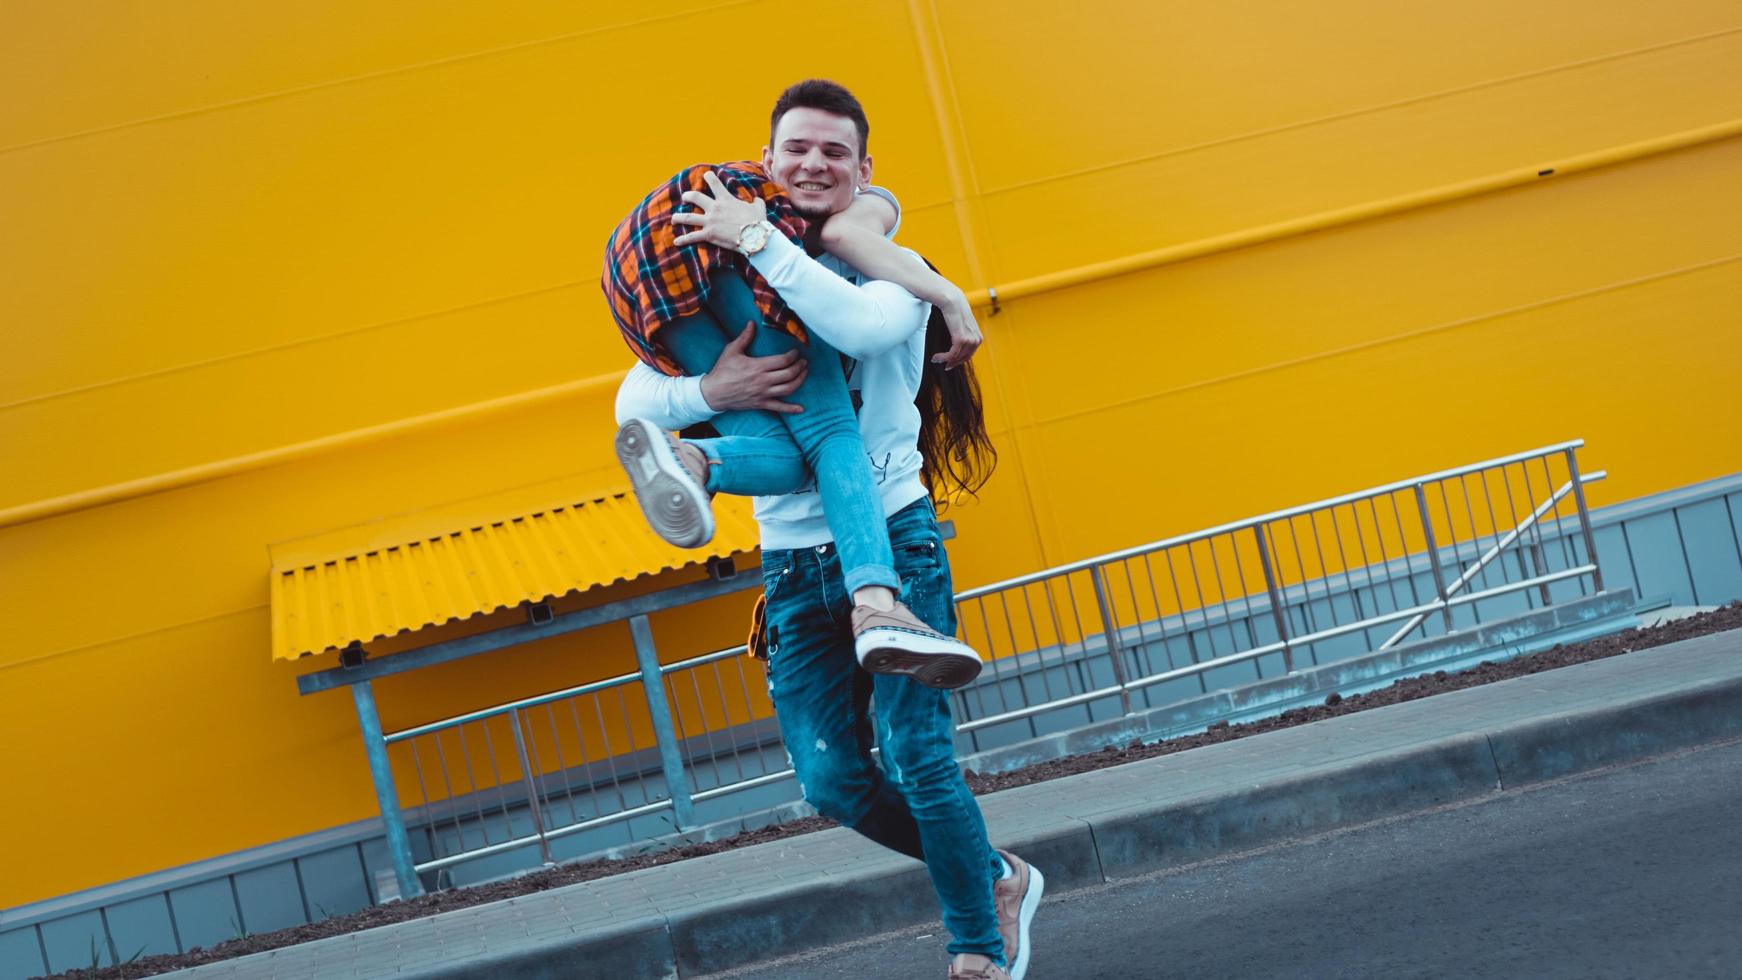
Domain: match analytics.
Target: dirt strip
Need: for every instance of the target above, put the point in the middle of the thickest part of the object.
(1728, 617)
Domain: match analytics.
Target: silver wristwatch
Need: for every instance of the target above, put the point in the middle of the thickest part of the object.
(754, 236)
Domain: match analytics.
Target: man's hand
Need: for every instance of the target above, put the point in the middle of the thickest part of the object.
(719, 218)
(965, 336)
(740, 381)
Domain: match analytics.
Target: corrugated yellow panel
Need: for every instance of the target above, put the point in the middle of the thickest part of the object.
(325, 602)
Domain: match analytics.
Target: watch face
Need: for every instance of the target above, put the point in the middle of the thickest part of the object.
(753, 237)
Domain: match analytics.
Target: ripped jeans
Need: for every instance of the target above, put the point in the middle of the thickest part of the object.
(829, 720)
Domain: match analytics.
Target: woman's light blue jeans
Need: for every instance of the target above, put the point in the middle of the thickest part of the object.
(762, 453)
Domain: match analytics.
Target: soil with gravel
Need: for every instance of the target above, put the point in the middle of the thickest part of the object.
(1728, 617)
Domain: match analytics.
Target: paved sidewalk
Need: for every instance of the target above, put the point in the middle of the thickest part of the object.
(713, 913)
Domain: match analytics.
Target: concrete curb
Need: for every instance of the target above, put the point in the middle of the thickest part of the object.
(1559, 745)
(1099, 826)
(1121, 844)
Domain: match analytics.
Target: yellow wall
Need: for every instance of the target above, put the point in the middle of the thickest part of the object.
(233, 230)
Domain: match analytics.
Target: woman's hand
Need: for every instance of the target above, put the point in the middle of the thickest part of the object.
(965, 337)
(718, 219)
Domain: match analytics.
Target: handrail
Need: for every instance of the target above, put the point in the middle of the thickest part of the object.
(1277, 515)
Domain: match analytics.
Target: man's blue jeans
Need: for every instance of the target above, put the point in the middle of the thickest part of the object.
(762, 453)
(831, 711)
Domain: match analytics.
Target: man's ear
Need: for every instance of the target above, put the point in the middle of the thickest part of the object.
(865, 171)
(768, 159)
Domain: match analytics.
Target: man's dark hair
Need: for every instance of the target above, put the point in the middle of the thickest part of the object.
(820, 93)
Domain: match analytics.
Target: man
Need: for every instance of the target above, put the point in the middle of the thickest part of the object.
(830, 709)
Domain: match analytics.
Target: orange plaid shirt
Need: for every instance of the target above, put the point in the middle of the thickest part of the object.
(649, 281)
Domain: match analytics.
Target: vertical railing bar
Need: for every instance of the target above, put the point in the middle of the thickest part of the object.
(1160, 620)
(1082, 644)
(611, 755)
(1538, 554)
(992, 658)
(1198, 590)
(1115, 649)
(476, 794)
(1457, 548)
(708, 731)
(453, 798)
(750, 719)
(1408, 566)
(1261, 532)
(1549, 483)
(1016, 654)
(587, 764)
(1522, 544)
(1348, 573)
(1245, 590)
(562, 763)
(1494, 526)
(1433, 554)
(726, 715)
(1052, 605)
(422, 790)
(1585, 529)
(1312, 519)
(1306, 594)
(1033, 630)
(629, 733)
(1366, 559)
(1475, 539)
(1222, 590)
(1384, 557)
(540, 784)
(531, 786)
(496, 773)
(1184, 622)
(1136, 614)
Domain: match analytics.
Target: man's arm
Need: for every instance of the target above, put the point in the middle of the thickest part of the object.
(738, 381)
(859, 321)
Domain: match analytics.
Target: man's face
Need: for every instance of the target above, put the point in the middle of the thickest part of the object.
(815, 156)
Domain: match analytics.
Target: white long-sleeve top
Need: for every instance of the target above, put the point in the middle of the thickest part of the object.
(878, 323)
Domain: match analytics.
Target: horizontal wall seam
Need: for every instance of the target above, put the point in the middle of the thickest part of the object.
(300, 342)
(1336, 218)
(207, 472)
(1393, 339)
(1365, 111)
(367, 76)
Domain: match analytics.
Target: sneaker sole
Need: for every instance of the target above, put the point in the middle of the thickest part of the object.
(1024, 916)
(945, 668)
(676, 509)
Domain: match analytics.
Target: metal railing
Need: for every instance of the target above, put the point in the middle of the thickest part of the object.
(1277, 593)
(1268, 590)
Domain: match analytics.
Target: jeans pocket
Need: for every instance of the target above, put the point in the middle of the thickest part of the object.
(776, 569)
(915, 555)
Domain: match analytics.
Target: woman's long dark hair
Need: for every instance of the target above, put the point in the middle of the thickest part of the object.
(958, 454)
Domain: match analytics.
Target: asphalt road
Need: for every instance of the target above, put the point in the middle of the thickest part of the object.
(1626, 872)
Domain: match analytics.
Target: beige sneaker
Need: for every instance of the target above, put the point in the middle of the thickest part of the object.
(1016, 898)
(898, 642)
(668, 476)
(973, 966)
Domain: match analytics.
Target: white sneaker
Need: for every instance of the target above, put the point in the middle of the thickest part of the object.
(668, 488)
